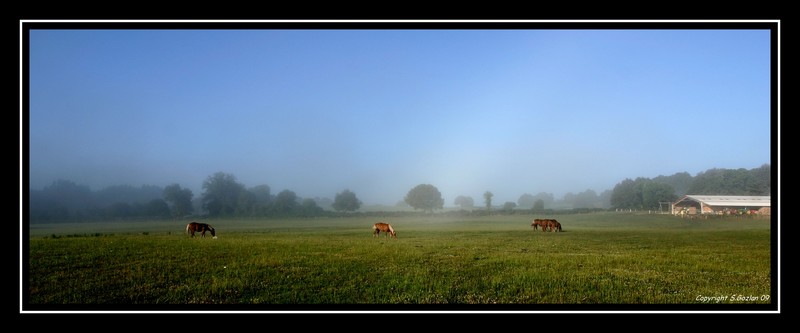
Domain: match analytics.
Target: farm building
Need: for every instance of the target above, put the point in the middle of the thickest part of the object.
(721, 204)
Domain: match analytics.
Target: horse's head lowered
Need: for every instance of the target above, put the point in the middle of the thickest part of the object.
(386, 228)
(193, 227)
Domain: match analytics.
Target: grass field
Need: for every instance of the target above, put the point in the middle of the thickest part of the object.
(599, 259)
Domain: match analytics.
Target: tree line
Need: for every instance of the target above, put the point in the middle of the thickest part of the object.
(224, 196)
(645, 193)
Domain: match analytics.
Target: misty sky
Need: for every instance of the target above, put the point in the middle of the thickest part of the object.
(381, 111)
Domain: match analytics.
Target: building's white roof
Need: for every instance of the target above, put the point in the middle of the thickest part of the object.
(730, 200)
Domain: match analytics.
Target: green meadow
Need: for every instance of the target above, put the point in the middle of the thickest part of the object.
(598, 259)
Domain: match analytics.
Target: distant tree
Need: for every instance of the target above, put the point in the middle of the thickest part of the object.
(221, 196)
(721, 182)
(74, 198)
(760, 181)
(735, 181)
(425, 197)
(44, 209)
(346, 201)
(538, 205)
(127, 193)
(706, 182)
(263, 199)
(156, 208)
(653, 193)
(487, 198)
(547, 198)
(585, 199)
(464, 201)
(324, 203)
(627, 194)
(262, 194)
(509, 206)
(285, 202)
(309, 207)
(180, 198)
(120, 210)
(641, 193)
(604, 199)
(526, 201)
(680, 182)
(246, 204)
(569, 199)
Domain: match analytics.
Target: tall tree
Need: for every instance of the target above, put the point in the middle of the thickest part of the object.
(760, 181)
(654, 192)
(641, 193)
(285, 202)
(509, 206)
(604, 199)
(221, 196)
(627, 194)
(425, 197)
(246, 204)
(156, 208)
(179, 198)
(263, 199)
(680, 181)
(538, 205)
(526, 201)
(487, 198)
(262, 193)
(346, 201)
(309, 208)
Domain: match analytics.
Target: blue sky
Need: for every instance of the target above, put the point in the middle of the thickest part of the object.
(381, 111)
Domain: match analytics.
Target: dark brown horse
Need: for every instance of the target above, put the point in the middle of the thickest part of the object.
(554, 225)
(385, 227)
(193, 227)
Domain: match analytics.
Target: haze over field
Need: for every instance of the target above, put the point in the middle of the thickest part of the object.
(381, 111)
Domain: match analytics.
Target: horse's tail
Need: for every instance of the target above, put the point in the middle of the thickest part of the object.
(187, 227)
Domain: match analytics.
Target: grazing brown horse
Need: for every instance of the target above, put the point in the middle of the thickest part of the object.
(539, 223)
(554, 225)
(385, 227)
(551, 224)
(193, 227)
